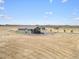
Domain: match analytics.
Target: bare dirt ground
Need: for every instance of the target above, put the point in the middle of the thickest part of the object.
(54, 46)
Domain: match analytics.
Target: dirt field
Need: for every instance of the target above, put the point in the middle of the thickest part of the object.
(54, 46)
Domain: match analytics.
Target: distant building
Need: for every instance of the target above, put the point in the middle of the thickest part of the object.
(41, 28)
(31, 29)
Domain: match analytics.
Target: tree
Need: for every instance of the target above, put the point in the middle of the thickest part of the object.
(37, 30)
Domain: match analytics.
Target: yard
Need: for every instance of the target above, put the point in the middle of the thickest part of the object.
(51, 46)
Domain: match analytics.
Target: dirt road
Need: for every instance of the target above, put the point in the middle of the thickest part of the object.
(56, 46)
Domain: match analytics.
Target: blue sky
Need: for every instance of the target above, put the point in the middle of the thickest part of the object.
(53, 12)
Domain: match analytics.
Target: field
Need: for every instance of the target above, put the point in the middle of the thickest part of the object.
(52, 46)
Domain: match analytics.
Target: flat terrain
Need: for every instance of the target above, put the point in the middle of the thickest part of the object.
(53, 46)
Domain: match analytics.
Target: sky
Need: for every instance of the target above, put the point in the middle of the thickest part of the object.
(39, 12)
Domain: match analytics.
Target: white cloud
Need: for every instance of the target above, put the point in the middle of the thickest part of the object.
(46, 12)
(2, 8)
(5, 17)
(74, 13)
(49, 13)
(64, 1)
(2, 1)
(2, 4)
(76, 18)
(1, 16)
(50, 1)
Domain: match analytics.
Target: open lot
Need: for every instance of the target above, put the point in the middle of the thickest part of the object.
(51, 46)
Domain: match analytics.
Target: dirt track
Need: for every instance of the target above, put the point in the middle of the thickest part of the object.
(56, 46)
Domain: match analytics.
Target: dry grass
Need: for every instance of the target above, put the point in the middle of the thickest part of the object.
(55, 46)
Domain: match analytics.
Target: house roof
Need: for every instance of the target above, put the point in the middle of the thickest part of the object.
(28, 27)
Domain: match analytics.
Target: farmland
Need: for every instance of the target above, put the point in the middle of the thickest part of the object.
(52, 46)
